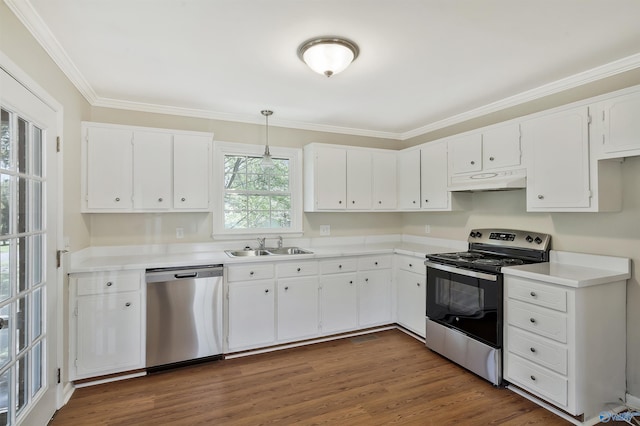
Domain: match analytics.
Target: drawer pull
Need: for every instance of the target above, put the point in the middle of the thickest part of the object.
(160, 199)
(411, 265)
(127, 304)
(533, 294)
(375, 263)
(117, 199)
(109, 283)
(350, 282)
(183, 199)
(366, 280)
(339, 266)
(533, 320)
(286, 288)
(418, 284)
(251, 273)
(266, 291)
(533, 378)
(533, 350)
(299, 269)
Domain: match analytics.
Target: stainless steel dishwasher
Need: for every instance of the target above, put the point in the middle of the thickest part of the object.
(184, 315)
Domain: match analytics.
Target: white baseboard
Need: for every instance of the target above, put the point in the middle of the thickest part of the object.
(67, 392)
(633, 401)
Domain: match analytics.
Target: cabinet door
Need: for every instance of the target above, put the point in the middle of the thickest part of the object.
(374, 298)
(330, 178)
(152, 170)
(359, 182)
(251, 314)
(408, 163)
(108, 334)
(434, 176)
(620, 123)
(191, 171)
(338, 303)
(412, 301)
(297, 308)
(501, 147)
(109, 169)
(384, 180)
(465, 154)
(558, 155)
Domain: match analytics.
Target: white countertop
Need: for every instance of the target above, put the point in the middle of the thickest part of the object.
(95, 259)
(575, 269)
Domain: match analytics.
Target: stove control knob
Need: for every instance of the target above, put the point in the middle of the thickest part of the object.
(472, 234)
(538, 240)
(478, 234)
(529, 238)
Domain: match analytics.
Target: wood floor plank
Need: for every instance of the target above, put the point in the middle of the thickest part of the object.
(386, 378)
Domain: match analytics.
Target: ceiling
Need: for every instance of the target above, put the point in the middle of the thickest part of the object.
(423, 64)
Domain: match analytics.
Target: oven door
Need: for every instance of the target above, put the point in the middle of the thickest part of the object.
(466, 300)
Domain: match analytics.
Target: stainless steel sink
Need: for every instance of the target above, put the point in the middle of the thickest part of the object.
(267, 252)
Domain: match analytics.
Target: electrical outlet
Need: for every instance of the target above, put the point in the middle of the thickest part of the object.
(427, 229)
(325, 230)
(179, 233)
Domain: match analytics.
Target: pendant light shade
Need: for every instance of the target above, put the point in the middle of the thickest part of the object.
(328, 55)
(267, 161)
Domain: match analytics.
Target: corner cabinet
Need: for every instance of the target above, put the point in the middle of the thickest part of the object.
(411, 293)
(562, 173)
(107, 323)
(136, 169)
(619, 133)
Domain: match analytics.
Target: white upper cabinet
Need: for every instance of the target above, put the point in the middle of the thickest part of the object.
(561, 173)
(408, 164)
(384, 180)
(465, 154)
(434, 176)
(359, 179)
(501, 147)
(138, 169)
(152, 170)
(191, 172)
(619, 126)
(108, 169)
(348, 178)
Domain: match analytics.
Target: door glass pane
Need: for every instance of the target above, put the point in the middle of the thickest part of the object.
(36, 260)
(21, 324)
(22, 145)
(22, 205)
(5, 382)
(5, 211)
(5, 271)
(36, 373)
(36, 205)
(5, 141)
(37, 313)
(5, 339)
(36, 152)
(22, 264)
(22, 388)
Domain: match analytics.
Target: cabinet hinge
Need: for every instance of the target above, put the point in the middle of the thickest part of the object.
(75, 362)
(603, 115)
(58, 375)
(588, 118)
(58, 150)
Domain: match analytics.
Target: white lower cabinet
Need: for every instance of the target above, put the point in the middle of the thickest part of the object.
(374, 298)
(339, 298)
(566, 345)
(106, 323)
(297, 300)
(411, 295)
(251, 314)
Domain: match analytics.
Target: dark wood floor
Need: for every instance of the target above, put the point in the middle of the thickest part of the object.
(378, 379)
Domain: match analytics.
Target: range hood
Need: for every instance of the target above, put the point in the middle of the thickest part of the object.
(489, 181)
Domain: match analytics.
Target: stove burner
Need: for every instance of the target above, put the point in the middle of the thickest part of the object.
(488, 262)
(512, 262)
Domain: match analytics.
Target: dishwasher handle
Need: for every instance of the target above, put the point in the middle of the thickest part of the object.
(183, 273)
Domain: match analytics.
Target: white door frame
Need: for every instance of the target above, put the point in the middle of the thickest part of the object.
(63, 390)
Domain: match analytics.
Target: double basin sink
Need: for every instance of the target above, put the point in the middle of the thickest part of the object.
(267, 251)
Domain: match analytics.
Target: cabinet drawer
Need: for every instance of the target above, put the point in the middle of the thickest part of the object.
(107, 282)
(297, 269)
(374, 262)
(537, 379)
(537, 320)
(538, 349)
(250, 272)
(411, 264)
(338, 266)
(538, 293)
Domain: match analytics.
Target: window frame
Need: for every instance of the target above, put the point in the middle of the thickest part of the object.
(294, 155)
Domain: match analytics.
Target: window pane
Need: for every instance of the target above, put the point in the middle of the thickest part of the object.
(36, 205)
(235, 172)
(22, 145)
(22, 388)
(5, 140)
(254, 165)
(36, 154)
(235, 220)
(37, 314)
(259, 202)
(5, 206)
(22, 205)
(21, 324)
(36, 372)
(23, 261)
(260, 219)
(5, 338)
(235, 202)
(36, 260)
(257, 182)
(281, 202)
(5, 382)
(5, 271)
(282, 219)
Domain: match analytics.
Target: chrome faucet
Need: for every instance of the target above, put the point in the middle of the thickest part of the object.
(279, 241)
(261, 242)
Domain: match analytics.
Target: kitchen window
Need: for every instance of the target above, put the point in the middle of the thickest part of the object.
(254, 200)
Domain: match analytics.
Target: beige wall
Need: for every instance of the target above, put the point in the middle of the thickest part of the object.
(604, 233)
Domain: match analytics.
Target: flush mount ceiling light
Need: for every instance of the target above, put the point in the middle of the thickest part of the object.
(267, 161)
(328, 55)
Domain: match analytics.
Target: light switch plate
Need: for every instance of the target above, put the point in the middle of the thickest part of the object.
(325, 230)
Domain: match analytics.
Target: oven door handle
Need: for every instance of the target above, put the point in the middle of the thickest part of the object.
(467, 272)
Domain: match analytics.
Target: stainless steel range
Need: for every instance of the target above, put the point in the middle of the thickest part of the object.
(464, 296)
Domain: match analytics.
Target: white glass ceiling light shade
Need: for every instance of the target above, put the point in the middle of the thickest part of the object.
(328, 55)
(267, 161)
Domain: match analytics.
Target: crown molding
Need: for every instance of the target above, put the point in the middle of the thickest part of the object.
(571, 82)
(38, 28)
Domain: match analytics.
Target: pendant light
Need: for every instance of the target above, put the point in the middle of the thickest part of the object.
(328, 55)
(267, 161)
